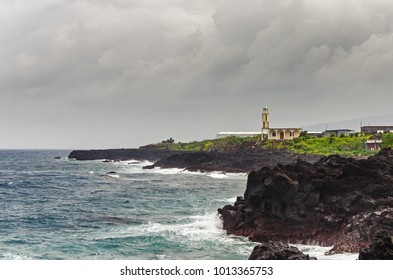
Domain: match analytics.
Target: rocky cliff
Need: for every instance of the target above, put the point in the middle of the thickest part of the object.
(121, 154)
(340, 202)
(236, 160)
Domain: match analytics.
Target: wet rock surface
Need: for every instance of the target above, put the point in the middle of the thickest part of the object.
(230, 161)
(381, 248)
(340, 202)
(120, 154)
(277, 251)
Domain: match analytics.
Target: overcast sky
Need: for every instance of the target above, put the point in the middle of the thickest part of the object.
(123, 73)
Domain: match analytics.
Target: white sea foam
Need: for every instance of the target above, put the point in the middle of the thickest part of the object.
(136, 167)
(217, 175)
(13, 256)
(226, 175)
(319, 253)
(214, 174)
(132, 161)
(113, 175)
(227, 200)
(240, 175)
(168, 171)
(195, 227)
(195, 232)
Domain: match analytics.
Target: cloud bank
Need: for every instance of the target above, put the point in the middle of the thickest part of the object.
(113, 73)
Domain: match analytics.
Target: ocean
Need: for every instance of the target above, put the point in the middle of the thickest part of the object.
(67, 209)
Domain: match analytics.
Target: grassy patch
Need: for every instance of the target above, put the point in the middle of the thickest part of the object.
(222, 144)
(345, 146)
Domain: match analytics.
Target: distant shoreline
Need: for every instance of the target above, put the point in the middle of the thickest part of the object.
(204, 161)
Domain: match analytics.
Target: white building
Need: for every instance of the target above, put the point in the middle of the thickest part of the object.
(238, 134)
(268, 132)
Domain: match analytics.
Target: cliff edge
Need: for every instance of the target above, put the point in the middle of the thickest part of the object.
(339, 202)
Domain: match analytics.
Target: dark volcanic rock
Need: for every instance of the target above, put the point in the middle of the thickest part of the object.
(276, 251)
(121, 154)
(362, 228)
(241, 160)
(189, 160)
(380, 249)
(230, 161)
(335, 201)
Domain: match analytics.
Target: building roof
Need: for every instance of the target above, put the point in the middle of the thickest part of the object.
(370, 141)
(314, 132)
(373, 126)
(333, 130)
(285, 128)
(237, 132)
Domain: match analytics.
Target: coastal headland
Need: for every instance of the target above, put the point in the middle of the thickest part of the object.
(344, 202)
(242, 158)
(336, 201)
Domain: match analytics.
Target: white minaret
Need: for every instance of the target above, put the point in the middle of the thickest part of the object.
(265, 121)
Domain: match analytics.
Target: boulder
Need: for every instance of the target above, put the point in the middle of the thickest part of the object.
(148, 166)
(277, 251)
(380, 249)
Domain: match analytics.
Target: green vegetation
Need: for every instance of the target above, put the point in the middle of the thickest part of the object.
(222, 144)
(387, 140)
(170, 140)
(342, 145)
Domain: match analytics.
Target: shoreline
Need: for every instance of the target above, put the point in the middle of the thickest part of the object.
(237, 161)
(302, 192)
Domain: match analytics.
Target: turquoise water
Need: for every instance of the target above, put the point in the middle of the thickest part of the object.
(67, 209)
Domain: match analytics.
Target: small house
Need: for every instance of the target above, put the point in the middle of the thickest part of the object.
(373, 144)
(376, 129)
(338, 132)
(314, 134)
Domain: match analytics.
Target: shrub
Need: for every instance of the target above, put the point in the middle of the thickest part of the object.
(387, 140)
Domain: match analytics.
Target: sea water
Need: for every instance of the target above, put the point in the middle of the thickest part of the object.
(67, 209)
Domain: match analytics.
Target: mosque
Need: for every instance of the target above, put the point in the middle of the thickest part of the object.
(268, 132)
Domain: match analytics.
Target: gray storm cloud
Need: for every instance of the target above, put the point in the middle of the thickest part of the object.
(124, 73)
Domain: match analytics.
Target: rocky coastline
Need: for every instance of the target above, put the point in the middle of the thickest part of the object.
(120, 154)
(241, 160)
(339, 202)
(330, 201)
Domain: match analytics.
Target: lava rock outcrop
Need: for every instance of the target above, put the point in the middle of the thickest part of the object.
(277, 251)
(340, 202)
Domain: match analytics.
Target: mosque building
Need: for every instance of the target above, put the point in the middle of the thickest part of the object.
(277, 133)
(267, 132)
